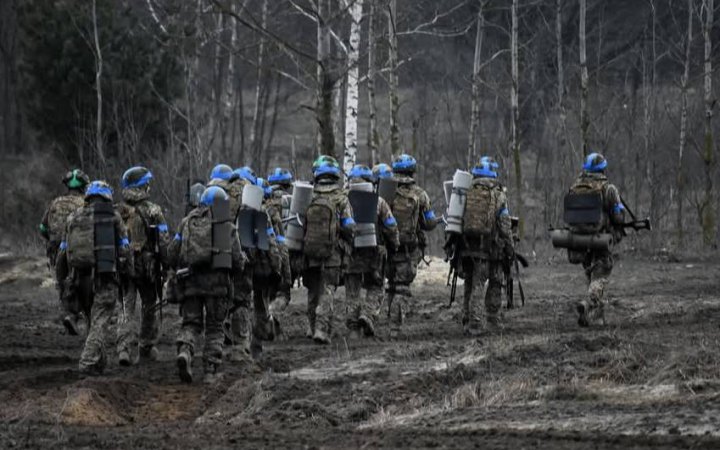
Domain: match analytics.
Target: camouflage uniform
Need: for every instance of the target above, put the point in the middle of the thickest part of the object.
(266, 277)
(402, 264)
(274, 208)
(598, 264)
(98, 294)
(204, 290)
(137, 206)
(482, 262)
(321, 277)
(367, 270)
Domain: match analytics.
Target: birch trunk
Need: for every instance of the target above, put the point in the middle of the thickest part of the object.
(584, 119)
(475, 110)
(353, 88)
(393, 81)
(515, 113)
(680, 180)
(708, 203)
(255, 135)
(98, 88)
(372, 136)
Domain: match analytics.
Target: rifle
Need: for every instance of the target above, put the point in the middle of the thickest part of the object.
(157, 270)
(511, 267)
(635, 224)
(452, 256)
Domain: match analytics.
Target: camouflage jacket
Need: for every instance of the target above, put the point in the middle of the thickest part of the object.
(57, 213)
(502, 242)
(427, 221)
(234, 189)
(346, 226)
(142, 219)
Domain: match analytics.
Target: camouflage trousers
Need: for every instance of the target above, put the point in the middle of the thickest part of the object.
(483, 281)
(208, 310)
(401, 272)
(367, 305)
(94, 356)
(321, 284)
(143, 330)
(598, 267)
(240, 314)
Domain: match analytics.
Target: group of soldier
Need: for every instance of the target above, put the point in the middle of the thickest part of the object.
(236, 254)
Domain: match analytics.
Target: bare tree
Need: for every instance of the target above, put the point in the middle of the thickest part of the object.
(475, 109)
(372, 136)
(325, 82)
(680, 180)
(98, 88)
(393, 83)
(353, 86)
(584, 119)
(255, 132)
(515, 112)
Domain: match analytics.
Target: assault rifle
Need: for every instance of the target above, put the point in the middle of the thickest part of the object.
(513, 264)
(452, 255)
(635, 224)
(157, 269)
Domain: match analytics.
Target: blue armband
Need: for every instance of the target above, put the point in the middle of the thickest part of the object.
(63, 245)
(618, 208)
(163, 228)
(178, 237)
(124, 242)
(390, 222)
(270, 231)
(503, 212)
(429, 215)
(347, 222)
(280, 238)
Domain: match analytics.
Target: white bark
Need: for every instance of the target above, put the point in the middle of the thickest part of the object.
(372, 68)
(475, 109)
(584, 119)
(393, 81)
(683, 126)
(353, 88)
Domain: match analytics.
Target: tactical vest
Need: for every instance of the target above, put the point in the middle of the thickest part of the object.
(58, 213)
(91, 239)
(583, 206)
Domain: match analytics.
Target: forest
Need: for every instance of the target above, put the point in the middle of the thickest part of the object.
(182, 85)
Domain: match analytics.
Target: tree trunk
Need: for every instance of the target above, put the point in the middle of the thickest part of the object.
(256, 138)
(584, 119)
(680, 180)
(708, 202)
(515, 115)
(566, 158)
(372, 136)
(98, 88)
(475, 110)
(393, 82)
(353, 88)
(326, 85)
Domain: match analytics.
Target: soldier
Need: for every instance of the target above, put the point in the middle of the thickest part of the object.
(281, 181)
(206, 254)
(149, 238)
(598, 264)
(52, 229)
(97, 251)
(485, 243)
(414, 214)
(329, 229)
(367, 265)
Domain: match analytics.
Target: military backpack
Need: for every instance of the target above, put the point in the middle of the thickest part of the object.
(197, 244)
(481, 207)
(583, 206)
(321, 228)
(406, 209)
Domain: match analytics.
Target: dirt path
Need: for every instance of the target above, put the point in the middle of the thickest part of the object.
(650, 379)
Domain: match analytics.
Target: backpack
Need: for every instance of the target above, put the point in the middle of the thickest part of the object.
(406, 209)
(197, 247)
(583, 206)
(58, 213)
(81, 240)
(481, 205)
(137, 227)
(321, 228)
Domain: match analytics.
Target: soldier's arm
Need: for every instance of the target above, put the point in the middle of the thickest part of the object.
(389, 226)
(159, 221)
(173, 256)
(428, 221)
(614, 205)
(123, 245)
(44, 229)
(238, 256)
(347, 223)
(505, 224)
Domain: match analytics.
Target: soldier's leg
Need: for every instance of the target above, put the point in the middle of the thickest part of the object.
(263, 325)
(353, 283)
(127, 336)
(190, 330)
(215, 312)
(599, 276)
(493, 296)
(373, 283)
(93, 357)
(149, 322)
(326, 306)
(239, 318)
(313, 283)
(405, 271)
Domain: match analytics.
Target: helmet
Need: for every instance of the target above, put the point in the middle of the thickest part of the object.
(404, 164)
(327, 167)
(484, 170)
(363, 172)
(222, 172)
(595, 163)
(322, 159)
(136, 177)
(76, 179)
(100, 189)
(490, 160)
(382, 170)
(280, 176)
(246, 173)
(196, 191)
(210, 194)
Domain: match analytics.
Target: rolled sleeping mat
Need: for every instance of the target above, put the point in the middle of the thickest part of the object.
(252, 197)
(387, 187)
(365, 235)
(105, 245)
(294, 235)
(566, 239)
(447, 188)
(285, 203)
(222, 228)
(462, 181)
(301, 197)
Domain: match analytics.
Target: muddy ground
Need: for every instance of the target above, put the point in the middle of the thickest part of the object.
(649, 379)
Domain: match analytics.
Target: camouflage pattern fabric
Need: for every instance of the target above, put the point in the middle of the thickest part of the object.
(129, 323)
(477, 273)
(94, 353)
(213, 310)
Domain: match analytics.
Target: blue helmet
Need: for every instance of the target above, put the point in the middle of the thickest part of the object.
(246, 173)
(326, 166)
(280, 176)
(382, 170)
(361, 171)
(135, 177)
(595, 163)
(210, 194)
(404, 164)
(490, 160)
(100, 189)
(484, 170)
(222, 172)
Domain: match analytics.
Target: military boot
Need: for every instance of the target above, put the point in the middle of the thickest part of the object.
(124, 358)
(184, 365)
(583, 309)
(212, 373)
(71, 325)
(321, 337)
(149, 352)
(366, 325)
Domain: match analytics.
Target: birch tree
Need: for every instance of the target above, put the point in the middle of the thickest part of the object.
(353, 86)
(584, 119)
(475, 109)
(707, 206)
(393, 81)
(680, 180)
